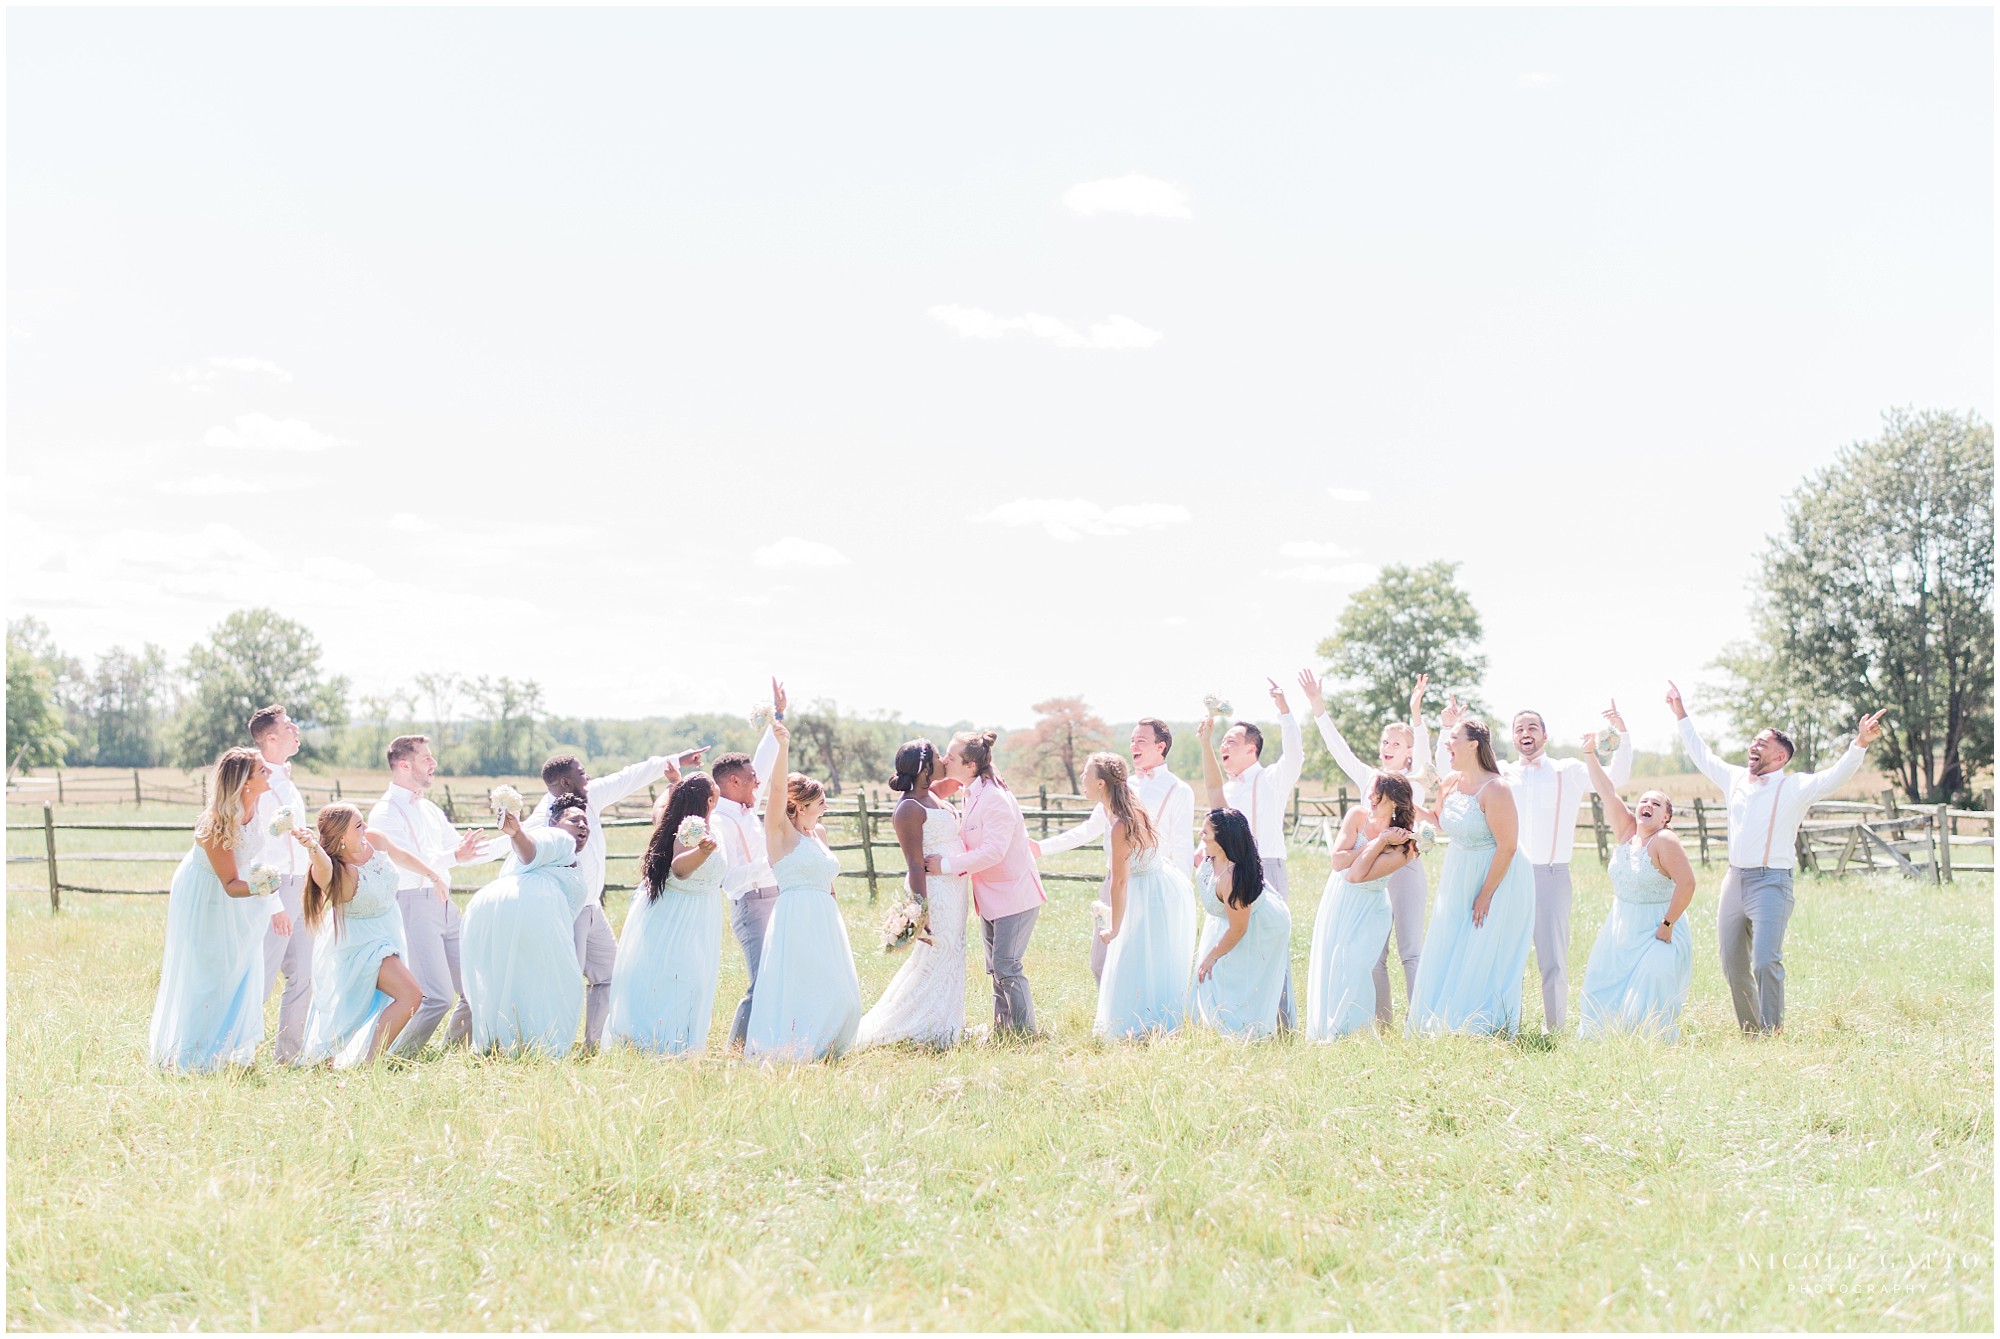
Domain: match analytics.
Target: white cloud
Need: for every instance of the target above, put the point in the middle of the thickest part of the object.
(1070, 519)
(261, 432)
(1311, 548)
(1352, 574)
(197, 377)
(1133, 193)
(1114, 332)
(791, 551)
(1537, 79)
(214, 485)
(409, 523)
(1348, 494)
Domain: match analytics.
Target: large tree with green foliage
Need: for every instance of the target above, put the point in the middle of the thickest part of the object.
(253, 658)
(1878, 592)
(35, 730)
(1410, 620)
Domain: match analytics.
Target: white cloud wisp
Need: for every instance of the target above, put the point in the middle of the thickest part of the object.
(1070, 519)
(1113, 333)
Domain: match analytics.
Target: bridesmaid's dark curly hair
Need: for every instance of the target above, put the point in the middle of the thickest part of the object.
(690, 798)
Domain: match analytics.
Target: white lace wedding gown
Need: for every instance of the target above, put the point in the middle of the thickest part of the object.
(925, 1000)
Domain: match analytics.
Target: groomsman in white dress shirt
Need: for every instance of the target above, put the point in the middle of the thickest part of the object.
(1263, 795)
(277, 738)
(1549, 792)
(1169, 803)
(430, 920)
(1766, 806)
(596, 946)
(738, 824)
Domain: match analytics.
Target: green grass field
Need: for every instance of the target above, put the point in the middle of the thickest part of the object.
(1838, 1177)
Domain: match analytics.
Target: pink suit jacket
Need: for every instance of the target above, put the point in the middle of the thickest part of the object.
(996, 858)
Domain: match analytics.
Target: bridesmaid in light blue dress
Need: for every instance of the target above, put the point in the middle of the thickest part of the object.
(1246, 942)
(1149, 944)
(808, 1001)
(363, 990)
(1352, 928)
(1477, 946)
(1643, 962)
(517, 946)
(670, 949)
(210, 1009)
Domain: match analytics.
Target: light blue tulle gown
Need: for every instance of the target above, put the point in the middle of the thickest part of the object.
(1241, 995)
(808, 1001)
(1348, 937)
(1146, 968)
(210, 1009)
(1470, 976)
(1634, 982)
(669, 952)
(347, 959)
(517, 951)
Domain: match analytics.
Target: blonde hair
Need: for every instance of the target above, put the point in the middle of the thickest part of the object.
(221, 824)
(1120, 801)
(318, 902)
(800, 791)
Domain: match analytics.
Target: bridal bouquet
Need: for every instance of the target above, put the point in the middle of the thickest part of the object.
(1427, 837)
(906, 920)
(1217, 706)
(263, 879)
(692, 830)
(505, 800)
(283, 822)
(761, 715)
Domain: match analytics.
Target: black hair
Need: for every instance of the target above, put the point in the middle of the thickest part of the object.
(690, 797)
(560, 766)
(912, 761)
(1254, 735)
(1791, 752)
(728, 765)
(560, 803)
(1160, 732)
(1539, 719)
(1239, 848)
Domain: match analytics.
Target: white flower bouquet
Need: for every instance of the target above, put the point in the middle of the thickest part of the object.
(505, 800)
(905, 921)
(762, 715)
(1216, 705)
(283, 821)
(692, 830)
(263, 879)
(1427, 837)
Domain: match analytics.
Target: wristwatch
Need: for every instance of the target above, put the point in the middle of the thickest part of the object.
(777, 715)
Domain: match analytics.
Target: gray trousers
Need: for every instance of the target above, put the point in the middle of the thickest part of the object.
(597, 955)
(1406, 909)
(431, 929)
(1756, 907)
(750, 916)
(1281, 883)
(1006, 945)
(1552, 906)
(291, 955)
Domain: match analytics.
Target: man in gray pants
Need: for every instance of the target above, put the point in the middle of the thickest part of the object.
(738, 821)
(277, 738)
(1766, 806)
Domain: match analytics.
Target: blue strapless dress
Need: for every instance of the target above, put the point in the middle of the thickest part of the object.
(347, 960)
(1470, 976)
(669, 954)
(1349, 934)
(1635, 982)
(1146, 968)
(1241, 995)
(210, 1009)
(517, 951)
(808, 1001)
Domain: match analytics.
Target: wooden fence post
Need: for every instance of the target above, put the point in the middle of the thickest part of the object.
(138, 798)
(1701, 827)
(450, 809)
(1943, 822)
(49, 835)
(1597, 825)
(867, 843)
(1045, 811)
(1295, 808)
(1889, 801)
(59, 794)
(336, 788)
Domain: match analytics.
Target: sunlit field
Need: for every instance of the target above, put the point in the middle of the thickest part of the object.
(1837, 1177)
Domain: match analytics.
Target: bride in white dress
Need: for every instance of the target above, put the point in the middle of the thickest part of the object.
(925, 1000)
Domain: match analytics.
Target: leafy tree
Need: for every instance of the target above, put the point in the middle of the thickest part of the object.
(253, 658)
(1066, 732)
(1762, 685)
(1410, 620)
(842, 748)
(128, 711)
(1879, 592)
(34, 718)
(506, 738)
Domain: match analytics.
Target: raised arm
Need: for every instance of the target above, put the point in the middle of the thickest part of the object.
(1815, 784)
(518, 838)
(1344, 756)
(779, 834)
(316, 856)
(1420, 734)
(606, 791)
(1623, 823)
(1293, 761)
(1211, 770)
(693, 857)
(1090, 829)
(1710, 766)
(406, 858)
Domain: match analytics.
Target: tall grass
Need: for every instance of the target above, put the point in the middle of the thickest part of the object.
(1837, 1177)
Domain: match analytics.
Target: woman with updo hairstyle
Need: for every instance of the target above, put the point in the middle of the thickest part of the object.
(925, 1001)
(1376, 840)
(670, 947)
(1245, 955)
(808, 1000)
(1476, 947)
(1147, 909)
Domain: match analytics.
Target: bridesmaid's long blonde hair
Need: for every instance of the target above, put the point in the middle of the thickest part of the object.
(1120, 802)
(222, 823)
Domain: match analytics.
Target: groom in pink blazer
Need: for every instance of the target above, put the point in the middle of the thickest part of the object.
(1006, 889)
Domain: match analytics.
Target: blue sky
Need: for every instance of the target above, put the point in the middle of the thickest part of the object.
(645, 352)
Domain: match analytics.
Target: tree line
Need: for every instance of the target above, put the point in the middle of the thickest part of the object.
(1876, 591)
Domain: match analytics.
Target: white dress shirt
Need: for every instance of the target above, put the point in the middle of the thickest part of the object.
(419, 827)
(1361, 773)
(1169, 802)
(281, 852)
(600, 794)
(1261, 794)
(1765, 811)
(739, 831)
(1548, 794)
